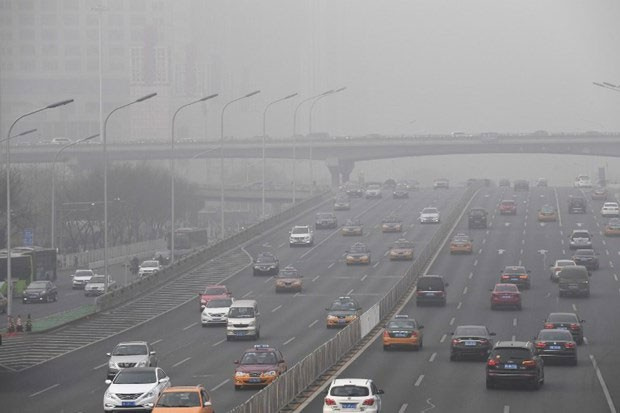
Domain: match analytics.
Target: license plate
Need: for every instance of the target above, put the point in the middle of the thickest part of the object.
(470, 343)
(562, 328)
(254, 380)
(400, 335)
(430, 293)
(128, 404)
(514, 279)
(555, 347)
(573, 287)
(349, 405)
(510, 366)
(342, 321)
(240, 333)
(506, 296)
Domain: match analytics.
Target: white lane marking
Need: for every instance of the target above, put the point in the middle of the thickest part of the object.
(452, 321)
(376, 264)
(157, 341)
(281, 245)
(403, 408)
(190, 326)
(44, 390)
(350, 292)
(562, 241)
(521, 253)
(100, 366)
(471, 275)
(520, 261)
(606, 252)
(603, 241)
(574, 308)
(296, 294)
(430, 360)
(364, 277)
(246, 294)
(331, 265)
(557, 208)
(458, 307)
(288, 341)
(419, 380)
(181, 362)
(217, 343)
(616, 277)
(610, 402)
(220, 385)
(585, 340)
(547, 295)
(484, 241)
(563, 252)
(611, 264)
(523, 242)
(475, 262)
(480, 251)
(268, 280)
(506, 409)
(315, 278)
(443, 338)
(276, 309)
(465, 290)
(313, 323)
(514, 322)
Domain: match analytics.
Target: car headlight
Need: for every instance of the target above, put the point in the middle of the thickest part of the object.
(269, 373)
(112, 365)
(203, 301)
(252, 323)
(148, 395)
(332, 317)
(141, 363)
(240, 374)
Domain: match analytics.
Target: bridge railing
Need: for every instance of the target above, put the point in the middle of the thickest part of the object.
(283, 391)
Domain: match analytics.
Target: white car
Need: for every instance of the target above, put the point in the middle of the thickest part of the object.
(135, 389)
(352, 395)
(301, 235)
(96, 285)
(583, 181)
(441, 183)
(557, 267)
(373, 191)
(81, 277)
(149, 267)
(429, 215)
(216, 311)
(610, 209)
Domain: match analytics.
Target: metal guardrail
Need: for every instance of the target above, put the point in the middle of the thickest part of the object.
(293, 382)
(116, 254)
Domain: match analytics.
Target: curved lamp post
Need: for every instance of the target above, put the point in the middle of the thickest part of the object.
(263, 146)
(222, 230)
(105, 184)
(8, 197)
(172, 173)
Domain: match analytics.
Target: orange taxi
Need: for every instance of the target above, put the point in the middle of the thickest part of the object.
(547, 214)
(391, 224)
(612, 229)
(184, 399)
(403, 331)
(402, 249)
(259, 366)
(461, 244)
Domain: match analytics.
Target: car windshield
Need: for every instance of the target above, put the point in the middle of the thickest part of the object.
(349, 391)
(430, 211)
(564, 263)
(403, 244)
(82, 273)
(37, 285)
(391, 219)
(430, 284)
(514, 270)
(547, 209)
(130, 350)
(506, 288)
(219, 303)
(508, 203)
(584, 253)
(324, 216)
(129, 376)
(581, 234)
(150, 264)
(289, 274)
(477, 212)
(215, 291)
(352, 222)
(401, 324)
(262, 357)
(241, 312)
(343, 306)
(359, 248)
(549, 335)
(562, 318)
(179, 399)
(471, 331)
(573, 274)
(300, 230)
(97, 279)
(265, 258)
(505, 354)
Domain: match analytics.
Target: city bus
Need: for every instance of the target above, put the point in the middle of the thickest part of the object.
(189, 238)
(28, 264)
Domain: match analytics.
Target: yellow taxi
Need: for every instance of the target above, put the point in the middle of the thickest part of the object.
(461, 244)
(184, 399)
(358, 253)
(342, 312)
(402, 249)
(289, 280)
(612, 229)
(547, 214)
(403, 331)
(259, 366)
(392, 224)
(352, 227)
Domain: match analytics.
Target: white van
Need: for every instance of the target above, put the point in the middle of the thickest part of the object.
(243, 320)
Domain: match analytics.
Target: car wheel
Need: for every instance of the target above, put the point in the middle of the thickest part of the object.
(580, 340)
(519, 307)
(573, 362)
(257, 335)
(386, 348)
(536, 384)
(228, 338)
(237, 387)
(421, 346)
(490, 384)
(55, 297)
(492, 307)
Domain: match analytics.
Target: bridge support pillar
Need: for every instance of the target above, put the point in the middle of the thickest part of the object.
(340, 170)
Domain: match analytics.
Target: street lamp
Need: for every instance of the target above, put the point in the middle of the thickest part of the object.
(53, 226)
(295, 138)
(256, 92)
(310, 133)
(263, 149)
(105, 184)
(8, 197)
(172, 174)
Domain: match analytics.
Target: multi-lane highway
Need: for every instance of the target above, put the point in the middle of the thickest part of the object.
(73, 379)
(428, 381)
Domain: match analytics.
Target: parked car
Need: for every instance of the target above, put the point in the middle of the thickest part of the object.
(40, 292)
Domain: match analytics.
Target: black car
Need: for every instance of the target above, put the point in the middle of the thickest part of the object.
(477, 218)
(566, 321)
(574, 280)
(401, 191)
(471, 341)
(515, 361)
(325, 220)
(266, 264)
(586, 257)
(40, 292)
(521, 185)
(431, 289)
(576, 205)
(556, 344)
(355, 192)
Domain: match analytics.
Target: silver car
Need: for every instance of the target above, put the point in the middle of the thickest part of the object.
(130, 354)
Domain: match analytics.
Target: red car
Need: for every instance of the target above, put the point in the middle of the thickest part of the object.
(211, 292)
(505, 295)
(508, 207)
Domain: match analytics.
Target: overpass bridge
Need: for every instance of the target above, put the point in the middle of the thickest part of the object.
(238, 194)
(339, 154)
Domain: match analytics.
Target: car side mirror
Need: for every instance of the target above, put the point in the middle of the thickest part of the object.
(108, 354)
(421, 326)
(257, 314)
(153, 353)
(582, 321)
(236, 362)
(492, 334)
(108, 381)
(446, 284)
(207, 404)
(452, 333)
(529, 271)
(380, 392)
(164, 379)
(490, 289)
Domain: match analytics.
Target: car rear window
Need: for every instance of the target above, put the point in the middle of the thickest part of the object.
(573, 274)
(430, 284)
(581, 234)
(511, 354)
(471, 331)
(549, 335)
(350, 391)
(562, 318)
